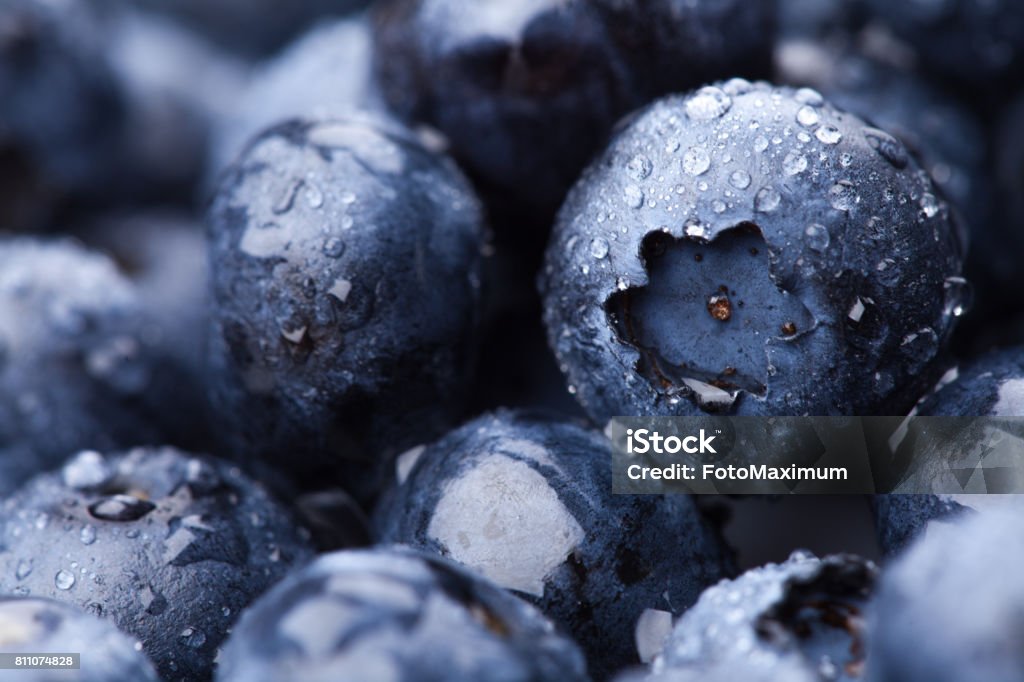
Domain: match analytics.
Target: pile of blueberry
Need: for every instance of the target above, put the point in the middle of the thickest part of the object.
(313, 314)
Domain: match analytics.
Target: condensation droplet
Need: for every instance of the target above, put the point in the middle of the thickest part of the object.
(767, 200)
(740, 179)
(794, 163)
(817, 237)
(707, 103)
(843, 195)
(959, 296)
(809, 96)
(807, 117)
(929, 205)
(88, 535)
(828, 134)
(696, 161)
(639, 167)
(599, 248)
(64, 580)
(334, 248)
(634, 196)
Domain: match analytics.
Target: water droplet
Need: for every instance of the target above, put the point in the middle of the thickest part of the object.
(64, 580)
(696, 161)
(696, 230)
(807, 117)
(621, 283)
(333, 248)
(314, 197)
(767, 200)
(707, 103)
(23, 570)
(828, 134)
(843, 195)
(760, 143)
(121, 508)
(809, 96)
(929, 205)
(193, 637)
(817, 237)
(639, 167)
(633, 195)
(599, 248)
(88, 535)
(959, 296)
(888, 147)
(846, 159)
(794, 163)
(718, 206)
(87, 469)
(347, 222)
(740, 179)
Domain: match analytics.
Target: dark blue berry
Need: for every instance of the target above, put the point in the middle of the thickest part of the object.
(753, 250)
(950, 608)
(526, 500)
(799, 620)
(394, 614)
(528, 91)
(44, 626)
(345, 263)
(170, 547)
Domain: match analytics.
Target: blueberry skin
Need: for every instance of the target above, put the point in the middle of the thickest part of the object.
(944, 135)
(527, 92)
(899, 519)
(526, 500)
(979, 43)
(753, 250)
(920, 628)
(326, 71)
(80, 364)
(169, 546)
(44, 626)
(396, 614)
(992, 385)
(345, 262)
(773, 622)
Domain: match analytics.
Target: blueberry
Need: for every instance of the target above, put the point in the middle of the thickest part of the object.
(163, 253)
(751, 249)
(801, 619)
(60, 105)
(527, 91)
(249, 27)
(324, 72)
(979, 43)
(394, 614)
(168, 546)
(951, 607)
(44, 626)
(345, 290)
(526, 500)
(79, 364)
